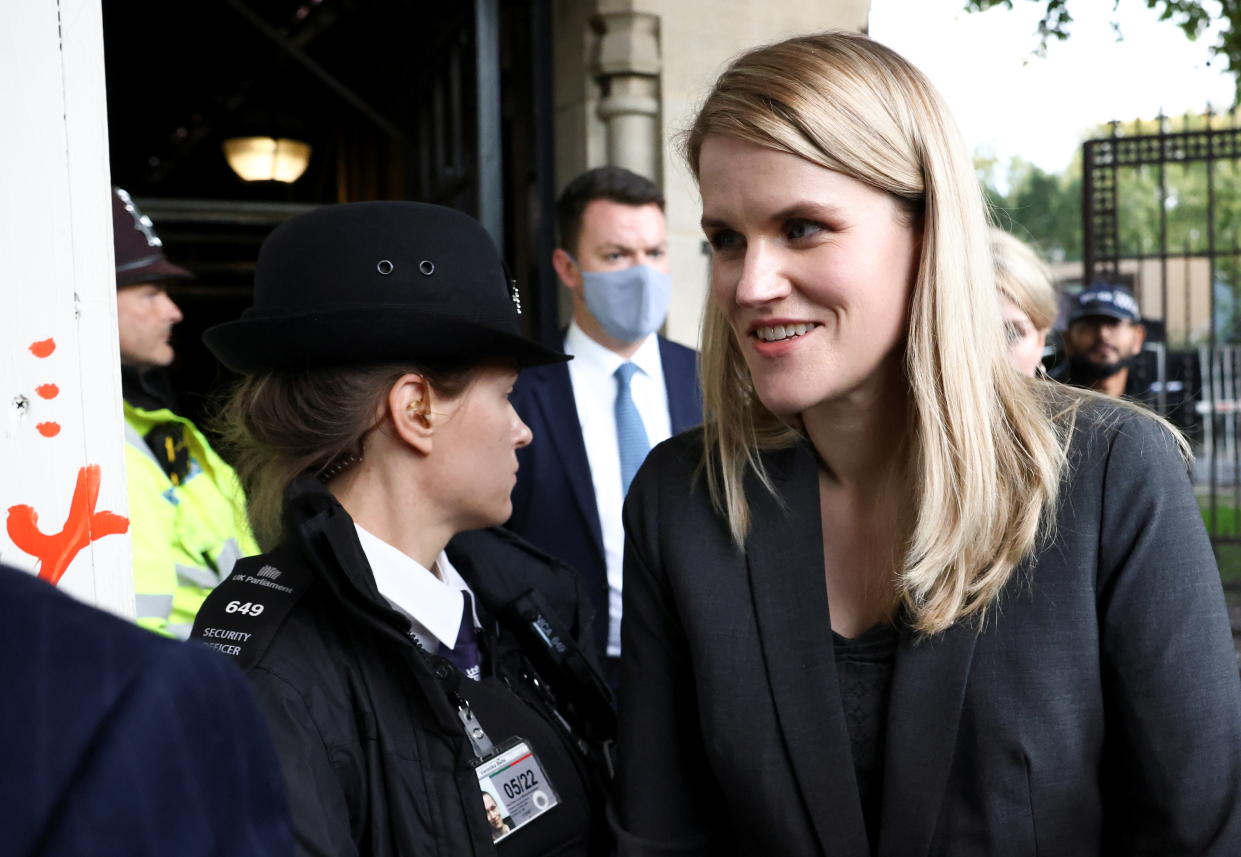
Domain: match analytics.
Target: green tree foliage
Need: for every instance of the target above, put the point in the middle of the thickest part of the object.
(1192, 16)
(1041, 208)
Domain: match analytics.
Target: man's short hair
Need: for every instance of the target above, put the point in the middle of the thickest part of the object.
(615, 184)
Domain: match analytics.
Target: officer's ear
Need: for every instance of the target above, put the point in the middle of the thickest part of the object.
(409, 411)
(1139, 337)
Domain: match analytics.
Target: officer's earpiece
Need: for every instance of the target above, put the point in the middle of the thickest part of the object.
(420, 412)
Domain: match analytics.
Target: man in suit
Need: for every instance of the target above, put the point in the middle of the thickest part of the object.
(626, 389)
(117, 741)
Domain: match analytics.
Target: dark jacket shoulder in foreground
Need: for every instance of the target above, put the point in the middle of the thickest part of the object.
(1099, 712)
(117, 741)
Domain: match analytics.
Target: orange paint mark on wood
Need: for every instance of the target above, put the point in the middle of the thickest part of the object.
(43, 348)
(55, 551)
(47, 391)
(48, 429)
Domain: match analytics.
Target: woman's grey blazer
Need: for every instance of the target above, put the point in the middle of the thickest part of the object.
(1098, 712)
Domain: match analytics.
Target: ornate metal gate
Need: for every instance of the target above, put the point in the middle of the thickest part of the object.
(1161, 212)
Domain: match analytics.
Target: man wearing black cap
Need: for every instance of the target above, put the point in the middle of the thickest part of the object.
(1104, 336)
(186, 508)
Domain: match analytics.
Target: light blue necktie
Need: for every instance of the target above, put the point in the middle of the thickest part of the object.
(630, 433)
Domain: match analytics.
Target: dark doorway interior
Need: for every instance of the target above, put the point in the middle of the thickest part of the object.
(399, 99)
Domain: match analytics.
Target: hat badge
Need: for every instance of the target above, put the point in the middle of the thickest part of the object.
(514, 295)
(142, 223)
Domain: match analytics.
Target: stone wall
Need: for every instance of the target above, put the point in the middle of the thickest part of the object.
(629, 75)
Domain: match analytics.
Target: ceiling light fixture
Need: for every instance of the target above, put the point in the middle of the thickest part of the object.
(259, 159)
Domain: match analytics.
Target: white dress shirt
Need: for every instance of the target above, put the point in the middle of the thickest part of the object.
(432, 604)
(594, 390)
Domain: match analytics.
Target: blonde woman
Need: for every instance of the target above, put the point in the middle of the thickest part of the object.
(1027, 300)
(894, 598)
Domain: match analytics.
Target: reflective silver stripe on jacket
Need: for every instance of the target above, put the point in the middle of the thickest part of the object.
(229, 553)
(195, 576)
(153, 606)
(181, 632)
(136, 440)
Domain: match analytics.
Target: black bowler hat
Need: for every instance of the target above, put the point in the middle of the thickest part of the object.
(371, 282)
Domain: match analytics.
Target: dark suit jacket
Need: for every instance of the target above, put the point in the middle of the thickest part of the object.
(118, 742)
(554, 500)
(1098, 712)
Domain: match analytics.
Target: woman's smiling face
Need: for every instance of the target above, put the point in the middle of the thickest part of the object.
(812, 268)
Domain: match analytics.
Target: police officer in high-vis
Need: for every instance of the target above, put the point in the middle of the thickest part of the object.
(186, 509)
(419, 667)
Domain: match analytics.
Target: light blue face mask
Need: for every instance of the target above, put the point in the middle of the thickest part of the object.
(630, 303)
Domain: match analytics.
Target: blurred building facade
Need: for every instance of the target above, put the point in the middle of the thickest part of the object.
(629, 75)
(490, 106)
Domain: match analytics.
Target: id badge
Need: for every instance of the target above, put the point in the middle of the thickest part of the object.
(515, 789)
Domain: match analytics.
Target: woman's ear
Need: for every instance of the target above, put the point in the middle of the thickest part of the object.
(409, 411)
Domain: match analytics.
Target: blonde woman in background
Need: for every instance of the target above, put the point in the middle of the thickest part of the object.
(1027, 299)
(893, 598)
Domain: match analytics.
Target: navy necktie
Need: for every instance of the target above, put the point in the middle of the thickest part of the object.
(630, 433)
(464, 655)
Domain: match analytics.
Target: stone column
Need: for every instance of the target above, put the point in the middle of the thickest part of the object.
(628, 68)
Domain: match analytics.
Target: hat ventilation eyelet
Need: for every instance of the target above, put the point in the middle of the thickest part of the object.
(427, 267)
(384, 267)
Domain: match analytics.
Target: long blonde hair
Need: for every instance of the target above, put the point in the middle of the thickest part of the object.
(985, 451)
(1024, 278)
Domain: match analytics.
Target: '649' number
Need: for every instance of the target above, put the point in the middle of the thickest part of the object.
(249, 608)
(520, 784)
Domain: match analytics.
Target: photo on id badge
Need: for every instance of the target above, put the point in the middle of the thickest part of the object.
(515, 789)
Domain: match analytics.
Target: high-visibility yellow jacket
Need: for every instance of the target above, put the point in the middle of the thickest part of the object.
(186, 529)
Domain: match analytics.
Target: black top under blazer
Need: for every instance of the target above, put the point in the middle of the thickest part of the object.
(1098, 713)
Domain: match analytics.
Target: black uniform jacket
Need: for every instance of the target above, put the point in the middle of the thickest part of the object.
(375, 757)
(1097, 713)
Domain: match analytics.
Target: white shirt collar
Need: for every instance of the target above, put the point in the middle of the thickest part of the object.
(587, 352)
(431, 604)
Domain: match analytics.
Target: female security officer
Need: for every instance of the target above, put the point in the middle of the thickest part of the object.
(409, 661)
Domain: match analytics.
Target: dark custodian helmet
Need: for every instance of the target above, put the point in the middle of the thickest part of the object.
(372, 282)
(138, 249)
